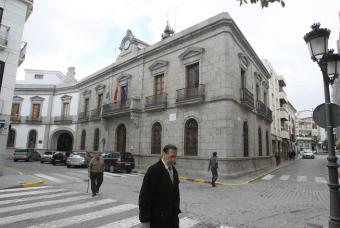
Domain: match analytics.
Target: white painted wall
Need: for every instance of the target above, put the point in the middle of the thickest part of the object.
(55, 128)
(57, 104)
(26, 105)
(22, 131)
(49, 77)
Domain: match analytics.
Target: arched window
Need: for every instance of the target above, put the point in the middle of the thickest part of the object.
(267, 143)
(96, 140)
(32, 139)
(245, 139)
(121, 138)
(191, 138)
(156, 138)
(83, 140)
(11, 138)
(260, 141)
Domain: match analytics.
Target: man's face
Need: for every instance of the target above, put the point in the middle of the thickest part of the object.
(170, 157)
(97, 155)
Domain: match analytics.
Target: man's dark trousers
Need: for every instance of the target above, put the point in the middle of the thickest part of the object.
(96, 181)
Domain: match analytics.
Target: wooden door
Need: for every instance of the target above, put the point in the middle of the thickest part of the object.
(121, 138)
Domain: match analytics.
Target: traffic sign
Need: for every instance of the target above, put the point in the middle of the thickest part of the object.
(319, 115)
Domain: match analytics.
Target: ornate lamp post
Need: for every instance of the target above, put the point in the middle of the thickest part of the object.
(329, 63)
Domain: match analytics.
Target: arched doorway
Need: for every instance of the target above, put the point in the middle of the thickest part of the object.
(121, 138)
(62, 140)
(65, 142)
(32, 139)
(191, 138)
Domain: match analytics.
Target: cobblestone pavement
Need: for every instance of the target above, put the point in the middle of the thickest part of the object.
(290, 197)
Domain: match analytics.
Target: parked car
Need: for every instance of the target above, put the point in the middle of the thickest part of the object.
(119, 161)
(60, 157)
(26, 155)
(47, 156)
(308, 154)
(78, 158)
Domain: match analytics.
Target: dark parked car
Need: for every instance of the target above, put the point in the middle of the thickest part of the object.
(47, 156)
(26, 155)
(60, 157)
(78, 158)
(119, 161)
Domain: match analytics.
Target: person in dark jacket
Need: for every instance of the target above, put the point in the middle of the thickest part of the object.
(213, 166)
(159, 195)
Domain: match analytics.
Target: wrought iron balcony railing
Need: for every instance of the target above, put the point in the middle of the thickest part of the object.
(4, 30)
(15, 119)
(191, 95)
(261, 108)
(156, 101)
(63, 119)
(33, 120)
(247, 98)
(84, 116)
(96, 113)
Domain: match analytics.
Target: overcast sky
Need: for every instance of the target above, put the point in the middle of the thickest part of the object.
(85, 35)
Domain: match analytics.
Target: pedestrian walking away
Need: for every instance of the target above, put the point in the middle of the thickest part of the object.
(159, 198)
(213, 166)
(95, 170)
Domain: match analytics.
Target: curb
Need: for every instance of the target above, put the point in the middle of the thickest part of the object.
(32, 184)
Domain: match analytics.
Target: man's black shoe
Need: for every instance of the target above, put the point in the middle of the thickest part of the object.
(93, 194)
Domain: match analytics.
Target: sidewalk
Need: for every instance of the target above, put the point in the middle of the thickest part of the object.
(14, 179)
(243, 180)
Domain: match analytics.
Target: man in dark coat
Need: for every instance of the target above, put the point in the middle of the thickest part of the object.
(159, 196)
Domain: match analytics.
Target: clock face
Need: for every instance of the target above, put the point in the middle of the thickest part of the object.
(127, 44)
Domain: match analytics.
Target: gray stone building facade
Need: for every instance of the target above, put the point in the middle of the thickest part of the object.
(203, 89)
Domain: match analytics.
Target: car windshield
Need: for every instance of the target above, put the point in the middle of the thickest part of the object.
(75, 154)
(126, 155)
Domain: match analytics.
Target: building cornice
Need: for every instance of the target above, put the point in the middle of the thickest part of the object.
(221, 20)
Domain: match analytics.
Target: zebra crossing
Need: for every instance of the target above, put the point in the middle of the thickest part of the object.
(79, 176)
(48, 206)
(285, 177)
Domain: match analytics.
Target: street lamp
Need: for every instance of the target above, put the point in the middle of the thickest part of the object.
(329, 63)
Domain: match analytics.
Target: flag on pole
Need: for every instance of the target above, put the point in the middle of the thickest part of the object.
(115, 94)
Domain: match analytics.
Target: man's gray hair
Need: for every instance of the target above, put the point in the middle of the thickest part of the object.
(169, 147)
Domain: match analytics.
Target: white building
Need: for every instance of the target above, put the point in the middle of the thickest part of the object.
(307, 131)
(13, 16)
(44, 111)
(283, 125)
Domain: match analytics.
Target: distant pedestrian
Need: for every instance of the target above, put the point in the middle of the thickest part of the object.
(96, 169)
(159, 194)
(213, 166)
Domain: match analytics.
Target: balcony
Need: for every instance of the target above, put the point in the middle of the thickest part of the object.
(63, 119)
(261, 109)
(4, 30)
(283, 97)
(247, 98)
(96, 114)
(22, 55)
(284, 133)
(189, 96)
(15, 119)
(269, 114)
(284, 114)
(156, 102)
(121, 108)
(33, 120)
(84, 116)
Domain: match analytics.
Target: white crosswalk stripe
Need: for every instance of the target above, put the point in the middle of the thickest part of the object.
(60, 203)
(50, 178)
(320, 180)
(268, 177)
(124, 223)
(284, 177)
(4, 202)
(22, 189)
(53, 211)
(38, 192)
(86, 217)
(41, 204)
(301, 178)
(70, 178)
(187, 222)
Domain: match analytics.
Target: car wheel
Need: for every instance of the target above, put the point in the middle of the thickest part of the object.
(42, 162)
(128, 171)
(112, 169)
(15, 160)
(53, 163)
(68, 166)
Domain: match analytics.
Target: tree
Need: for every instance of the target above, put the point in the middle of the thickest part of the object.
(264, 3)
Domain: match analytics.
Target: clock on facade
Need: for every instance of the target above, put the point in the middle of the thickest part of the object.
(127, 44)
